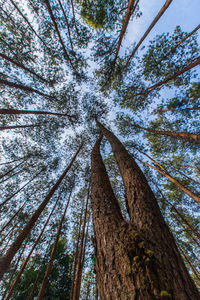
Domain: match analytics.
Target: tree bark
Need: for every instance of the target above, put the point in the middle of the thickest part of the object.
(161, 12)
(190, 137)
(23, 87)
(7, 258)
(185, 69)
(20, 65)
(30, 112)
(48, 270)
(141, 258)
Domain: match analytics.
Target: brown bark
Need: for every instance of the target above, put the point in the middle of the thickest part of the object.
(19, 127)
(139, 258)
(66, 20)
(8, 296)
(48, 270)
(23, 87)
(161, 12)
(10, 197)
(7, 258)
(191, 179)
(27, 21)
(20, 65)
(8, 172)
(195, 63)
(77, 284)
(189, 263)
(30, 112)
(190, 137)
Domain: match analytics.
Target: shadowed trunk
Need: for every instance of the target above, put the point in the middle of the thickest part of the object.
(161, 12)
(137, 259)
(190, 137)
(8, 172)
(19, 127)
(7, 258)
(30, 112)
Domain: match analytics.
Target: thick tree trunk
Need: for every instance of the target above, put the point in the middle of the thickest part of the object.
(139, 259)
(8, 296)
(20, 65)
(190, 137)
(23, 87)
(161, 12)
(49, 266)
(30, 112)
(195, 63)
(7, 258)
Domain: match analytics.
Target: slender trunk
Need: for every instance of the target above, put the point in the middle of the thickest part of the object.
(179, 109)
(19, 127)
(189, 263)
(16, 173)
(11, 170)
(48, 270)
(190, 137)
(23, 87)
(10, 197)
(180, 42)
(30, 112)
(10, 162)
(144, 248)
(8, 296)
(7, 234)
(172, 179)
(27, 21)
(77, 285)
(195, 63)
(191, 179)
(68, 28)
(76, 256)
(74, 17)
(7, 258)
(161, 12)
(128, 15)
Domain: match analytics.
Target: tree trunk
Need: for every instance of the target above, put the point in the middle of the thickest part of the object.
(20, 65)
(179, 109)
(23, 87)
(161, 12)
(8, 296)
(16, 173)
(48, 270)
(190, 137)
(190, 264)
(30, 112)
(8, 172)
(7, 258)
(19, 127)
(187, 68)
(139, 259)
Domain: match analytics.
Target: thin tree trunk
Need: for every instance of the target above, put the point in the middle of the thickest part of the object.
(189, 263)
(179, 109)
(161, 12)
(30, 112)
(23, 87)
(19, 127)
(77, 286)
(18, 172)
(7, 258)
(171, 178)
(183, 174)
(10, 162)
(8, 296)
(180, 42)
(128, 15)
(144, 248)
(10, 197)
(195, 63)
(190, 137)
(27, 21)
(68, 28)
(74, 17)
(49, 266)
(8, 172)
(20, 65)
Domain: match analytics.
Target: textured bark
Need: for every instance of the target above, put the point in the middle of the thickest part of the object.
(190, 137)
(49, 266)
(195, 63)
(20, 65)
(7, 258)
(23, 87)
(27, 21)
(30, 112)
(161, 12)
(8, 172)
(8, 296)
(19, 127)
(77, 283)
(139, 259)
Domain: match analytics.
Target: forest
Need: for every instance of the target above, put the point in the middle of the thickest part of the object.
(99, 150)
